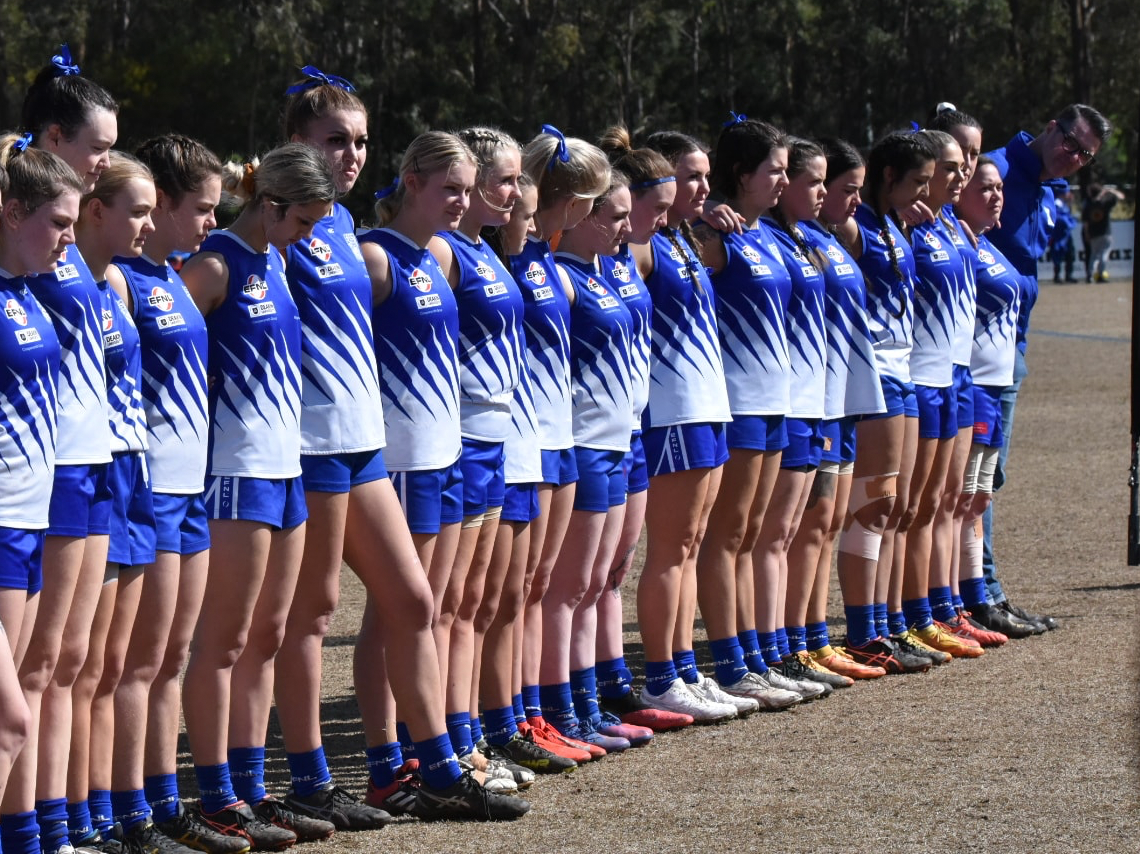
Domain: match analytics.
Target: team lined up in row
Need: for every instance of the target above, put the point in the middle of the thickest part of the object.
(549, 354)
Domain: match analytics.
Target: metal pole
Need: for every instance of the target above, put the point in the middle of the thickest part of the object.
(1134, 467)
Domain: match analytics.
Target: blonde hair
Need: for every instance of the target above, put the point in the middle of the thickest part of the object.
(291, 174)
(429, 153)
(486, 143)
(123, 169)
(585, 174)
(35, 176)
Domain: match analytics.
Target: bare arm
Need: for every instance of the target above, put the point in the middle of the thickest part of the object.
(567, 285)
(379, 271)
(711, 242)
(208, 280)
(443, 253)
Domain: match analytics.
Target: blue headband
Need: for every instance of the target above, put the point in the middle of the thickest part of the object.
(319, 78)
(64, 67)
(735, 119)
(22, 143)
(389, 190)
(563, 151)
(653, 182)
(915, 127)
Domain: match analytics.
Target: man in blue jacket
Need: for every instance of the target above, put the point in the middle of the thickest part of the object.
(1028, 166)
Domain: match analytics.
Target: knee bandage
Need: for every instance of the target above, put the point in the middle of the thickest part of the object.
(475, 521)
(980, 469)
(857, 538)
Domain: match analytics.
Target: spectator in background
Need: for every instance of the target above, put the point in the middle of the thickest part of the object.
(1096, 219)
(1062, 250)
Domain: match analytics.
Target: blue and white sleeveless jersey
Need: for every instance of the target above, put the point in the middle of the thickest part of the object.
(995, 331)
(30, 355)
(752, 293)
(341, 409)
(546, 316)
(965, 308)
(686, 374)
(416, 331)
(490, 339)
(122, 355)
(255, 366)
(601, 329)
(807, 334)
(890, 295)
(620, 273)
(522, 450)
(852, 386)
(75, 305)
(175, 350)
(940, 280)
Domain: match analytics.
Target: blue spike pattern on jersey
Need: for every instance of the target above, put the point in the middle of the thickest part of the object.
(752, 293)
(491, 341)
(522, 449)
(686, 374)
(965, 306)
(74, 302)
(995, 331)
(30, 359)
(940, 272)
(546, 317)
(621, 274)
(890, 300)
(122, 354)
(807, 337)
(341, 407)
(601, 329)
(175, 349)
(852, 386)
(416, 331)
(255, 366)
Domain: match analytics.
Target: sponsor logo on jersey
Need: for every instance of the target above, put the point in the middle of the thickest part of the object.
(900, 253)
(628, 291)
(108, 317)
(160, 298)
(931, 240)
(675, 254)
(541, 294)
(939, 256)
(255, 287)
(834, 253)
(28, 336)
(16, 312)
(593, 286)
(112, 340)
(535, 274)
(486, 271)
(320, 250)
(608, 302)
(995, 269)
(985, 256)
(262, 309)
(353, 246)
(760, 270)
(809, 271)
(326, 271)
(750, 254)
(169, 321)
(844, 270)
(428, 301)
(420, 280)
(621, 272)
(497, 289)
(64, 272)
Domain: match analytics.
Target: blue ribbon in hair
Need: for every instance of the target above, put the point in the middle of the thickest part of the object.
(64, 67)
(563, 151)
(735, 119)
(389, 190)
(319, 78)
(22, 143)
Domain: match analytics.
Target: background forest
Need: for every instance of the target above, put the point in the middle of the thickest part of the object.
(853, 68)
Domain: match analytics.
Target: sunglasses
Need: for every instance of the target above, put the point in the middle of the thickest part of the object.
(1071, 145)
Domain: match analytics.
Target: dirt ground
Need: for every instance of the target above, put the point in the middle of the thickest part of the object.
(1031, 748)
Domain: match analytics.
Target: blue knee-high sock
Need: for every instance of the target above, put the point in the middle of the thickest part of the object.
(614, 678)
(476, 729)
(501, 726)
(818, 637)
(532, 702)
(215, 786)
(770, 648)
(584, 690)
(459, 729)
(896, 622)
(861, 628)
(162, 795)
(518, 709)
(659, 675)
(308, 771)
(941, 604)
(728, 660)
(439, 767)
(102, 817)
(52, 816)
(20, 833)
(882, 629)
(750, 646)
(247, 772)
(959, 602)
(79, 824)
(383, 761)
(917, 612)
(130, 808)
(685, 663)
(558, 705)
(797, 638)
(973, 591)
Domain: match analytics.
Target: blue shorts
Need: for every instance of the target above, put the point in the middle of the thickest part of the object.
(430, 499)
(520, 502)
(964, 391)
(181, 524)
(899, 397)
(937, 412)
(805, 444)
(276, 502)
(987, 416)
(483, 465)
(132, 511)
(559, 467)
(601, 480)
(831, 430)
(847, 440)
(757, 432)
(21, 561)
(80, 501)
(636, 470)
(340, 472)
(684, 447)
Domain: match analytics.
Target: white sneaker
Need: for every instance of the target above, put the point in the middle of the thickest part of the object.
(761, 690)
(710, 690)
(678, 698)
(495, 778)
(805, 688)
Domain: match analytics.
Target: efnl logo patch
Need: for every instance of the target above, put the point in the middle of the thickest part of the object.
(14, 311)
(535, 274)
(161, 299)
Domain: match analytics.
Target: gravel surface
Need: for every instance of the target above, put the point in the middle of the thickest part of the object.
(1032, 747)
